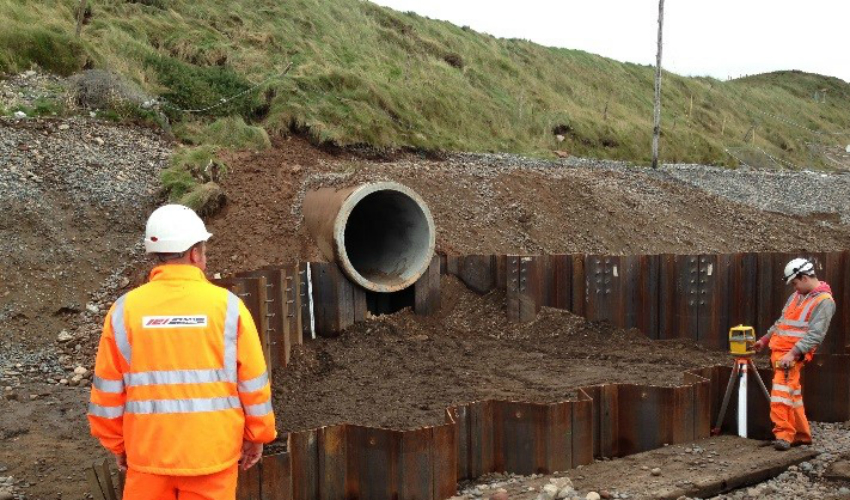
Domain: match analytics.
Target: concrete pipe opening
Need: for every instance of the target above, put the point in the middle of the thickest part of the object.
(381, 234)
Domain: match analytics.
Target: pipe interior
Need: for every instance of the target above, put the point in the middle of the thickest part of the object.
(387, 238)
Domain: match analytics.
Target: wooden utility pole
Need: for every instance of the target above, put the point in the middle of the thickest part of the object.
(656, 129)
(81, 14)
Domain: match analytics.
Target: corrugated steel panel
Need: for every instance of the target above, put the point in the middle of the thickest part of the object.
(248, 484)
(582, 430)
(713, 297)
(519, 437)
(276, 473)
(478, 272)
(834, 273)
(742, 291)
(416, 465)
(558, 440)
(446, 460)
(332, 462)
(304, 458)
(826, 388)
(427, 290)
(481, 449)
(679, 304)
(643, 275)
(561, 283)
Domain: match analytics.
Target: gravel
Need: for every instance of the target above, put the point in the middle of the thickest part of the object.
(806, 481)
(790, 192)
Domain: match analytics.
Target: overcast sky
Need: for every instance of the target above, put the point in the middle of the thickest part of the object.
(720, 38)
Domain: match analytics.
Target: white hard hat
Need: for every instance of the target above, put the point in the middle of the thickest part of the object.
(797, 267)
(174, 229)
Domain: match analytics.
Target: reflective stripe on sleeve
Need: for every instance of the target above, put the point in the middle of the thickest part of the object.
(110, 386)
(161, 406)
(231, 326)
(120, 330)
(259, 410)
(105, 411)
(255, 384)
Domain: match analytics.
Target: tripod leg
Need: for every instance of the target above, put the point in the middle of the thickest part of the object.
(729, 387)
(760, 381)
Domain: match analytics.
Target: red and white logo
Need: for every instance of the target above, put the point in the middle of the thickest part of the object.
(174, 322)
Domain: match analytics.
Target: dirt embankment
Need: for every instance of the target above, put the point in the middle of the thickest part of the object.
(504, 204)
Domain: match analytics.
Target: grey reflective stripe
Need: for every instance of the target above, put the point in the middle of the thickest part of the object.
(794, 323)
(105, 411)
(805, 314)
(797, 392)
(781, 400)
(111, 386)
(780, 387)
(791, 333)
(159, 406)
(259, 410)
(173, 377)
(119, 329)
(255, 384)
(231, 326)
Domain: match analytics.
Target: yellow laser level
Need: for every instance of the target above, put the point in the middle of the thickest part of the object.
(741, 340)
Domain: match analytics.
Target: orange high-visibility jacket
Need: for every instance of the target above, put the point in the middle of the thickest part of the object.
(795, 320)
(180, 380)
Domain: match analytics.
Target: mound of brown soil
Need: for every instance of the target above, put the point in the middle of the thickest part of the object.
(403, 371)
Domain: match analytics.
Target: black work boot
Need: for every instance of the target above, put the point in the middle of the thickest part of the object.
(781, 445)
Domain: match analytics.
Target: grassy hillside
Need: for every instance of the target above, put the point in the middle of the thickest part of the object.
(366, 74)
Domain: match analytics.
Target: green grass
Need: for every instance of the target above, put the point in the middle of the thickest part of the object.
(231, 133)
(189, 178)
(364, 74)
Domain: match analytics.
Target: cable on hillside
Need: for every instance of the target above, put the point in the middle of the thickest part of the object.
(225, 100)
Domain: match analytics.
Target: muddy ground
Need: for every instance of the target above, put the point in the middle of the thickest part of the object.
(402, 371)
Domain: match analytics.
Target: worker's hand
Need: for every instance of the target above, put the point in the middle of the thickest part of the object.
(760, 344)
(251, 454)
(786, 361)
(121, 460)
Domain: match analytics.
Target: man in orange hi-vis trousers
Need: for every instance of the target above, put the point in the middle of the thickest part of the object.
(181, 394)
(792, 341)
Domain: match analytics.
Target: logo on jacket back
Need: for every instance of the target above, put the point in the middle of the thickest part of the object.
(174, 321)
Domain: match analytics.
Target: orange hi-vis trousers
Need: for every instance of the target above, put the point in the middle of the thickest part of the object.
(786, 404)
(218, 486)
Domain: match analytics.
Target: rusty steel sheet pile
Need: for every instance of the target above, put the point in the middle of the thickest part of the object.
(691, 297)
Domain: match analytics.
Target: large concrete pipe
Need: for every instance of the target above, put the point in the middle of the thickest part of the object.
(381, 234)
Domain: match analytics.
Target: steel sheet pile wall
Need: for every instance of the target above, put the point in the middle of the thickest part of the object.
(693, 297)
(690, 297)
(348, 461)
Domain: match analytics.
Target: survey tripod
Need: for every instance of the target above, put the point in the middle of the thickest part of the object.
(741, 342)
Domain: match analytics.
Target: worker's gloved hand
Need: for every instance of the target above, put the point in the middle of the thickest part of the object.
(251, 454)
(760, 344)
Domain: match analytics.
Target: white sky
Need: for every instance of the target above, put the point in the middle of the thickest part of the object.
(720, 38)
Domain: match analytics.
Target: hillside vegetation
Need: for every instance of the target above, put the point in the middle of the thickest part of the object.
(364, 74)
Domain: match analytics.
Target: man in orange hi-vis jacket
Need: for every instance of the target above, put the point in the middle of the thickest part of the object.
(181, 394)
(792, 341)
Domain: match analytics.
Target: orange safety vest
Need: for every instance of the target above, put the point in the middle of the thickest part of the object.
(794, 323)
(180, 380)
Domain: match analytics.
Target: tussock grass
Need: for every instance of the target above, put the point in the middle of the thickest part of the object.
(364, 74)
(231, 133)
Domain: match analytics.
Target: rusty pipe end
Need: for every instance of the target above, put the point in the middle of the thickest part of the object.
(381, 234)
